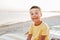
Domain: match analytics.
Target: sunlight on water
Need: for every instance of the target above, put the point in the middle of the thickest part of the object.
(49, 14)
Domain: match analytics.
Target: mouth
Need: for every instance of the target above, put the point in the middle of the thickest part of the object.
(35, 18)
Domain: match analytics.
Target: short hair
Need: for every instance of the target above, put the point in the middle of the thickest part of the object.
(35, 7)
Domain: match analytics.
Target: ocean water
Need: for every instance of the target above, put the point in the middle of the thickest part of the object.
(14, 17)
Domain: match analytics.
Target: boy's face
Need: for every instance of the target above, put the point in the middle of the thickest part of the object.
(35, 14)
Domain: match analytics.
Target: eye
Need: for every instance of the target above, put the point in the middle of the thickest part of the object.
(32, 14)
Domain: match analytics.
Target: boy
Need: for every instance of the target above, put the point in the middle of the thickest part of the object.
(38, 30)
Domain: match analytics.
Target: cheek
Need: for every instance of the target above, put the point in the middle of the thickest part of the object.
(40, 14)
(31, 17)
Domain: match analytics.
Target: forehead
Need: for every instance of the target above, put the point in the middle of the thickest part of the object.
(34, 9)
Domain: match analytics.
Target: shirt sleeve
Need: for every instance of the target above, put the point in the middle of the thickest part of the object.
(31, 30)
(45, 30)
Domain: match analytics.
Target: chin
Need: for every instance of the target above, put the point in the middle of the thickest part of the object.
(35, 20)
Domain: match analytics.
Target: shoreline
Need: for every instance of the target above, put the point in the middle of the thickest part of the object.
(15, 22)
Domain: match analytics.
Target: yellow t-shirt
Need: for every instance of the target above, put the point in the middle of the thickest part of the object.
(41, 29)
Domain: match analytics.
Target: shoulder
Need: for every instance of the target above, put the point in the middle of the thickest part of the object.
(31, 26)
(44, 25)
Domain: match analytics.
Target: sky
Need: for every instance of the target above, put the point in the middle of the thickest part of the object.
(11, 10)
(24, 5)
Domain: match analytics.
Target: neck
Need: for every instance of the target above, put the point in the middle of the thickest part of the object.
(38, 23)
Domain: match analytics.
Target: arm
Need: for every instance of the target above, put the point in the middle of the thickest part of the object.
(29, 36)
(42, 37)
(30, 33)
(45, 33)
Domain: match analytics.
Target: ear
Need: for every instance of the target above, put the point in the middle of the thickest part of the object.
(40, 14)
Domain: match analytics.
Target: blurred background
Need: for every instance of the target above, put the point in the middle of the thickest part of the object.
(15, 17)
